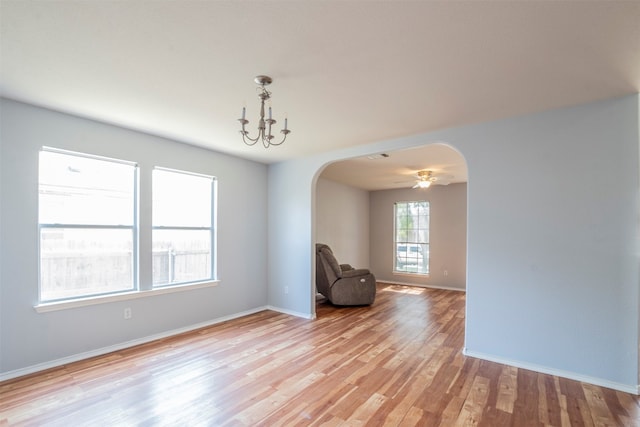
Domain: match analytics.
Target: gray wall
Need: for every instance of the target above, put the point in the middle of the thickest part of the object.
(552, 267)
(447, 235)
(552, 242)
(28, 338)
(343, 221)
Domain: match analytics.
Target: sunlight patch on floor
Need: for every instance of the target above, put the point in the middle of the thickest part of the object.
(402, 289)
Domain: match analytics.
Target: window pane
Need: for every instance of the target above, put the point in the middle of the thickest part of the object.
(181, 256)
(181, 200)
(412, 237)
(77, 262)
(86, 191)
(87, 225)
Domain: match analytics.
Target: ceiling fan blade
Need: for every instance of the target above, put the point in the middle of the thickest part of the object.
(443, 176)
(442, 181)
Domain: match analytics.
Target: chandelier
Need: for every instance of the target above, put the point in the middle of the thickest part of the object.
(264, 125)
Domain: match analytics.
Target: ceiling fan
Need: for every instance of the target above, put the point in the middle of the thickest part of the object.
(425, 178)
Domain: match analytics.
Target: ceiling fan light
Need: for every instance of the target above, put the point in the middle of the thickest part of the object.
(424, 184)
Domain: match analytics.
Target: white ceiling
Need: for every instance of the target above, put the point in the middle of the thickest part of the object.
(346, 72)
(399, 169)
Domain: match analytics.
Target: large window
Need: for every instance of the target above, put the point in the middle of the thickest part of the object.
(183, 227)
(411, 237)
(87, 221)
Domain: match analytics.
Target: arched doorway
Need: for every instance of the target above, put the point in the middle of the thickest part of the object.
(354, 201)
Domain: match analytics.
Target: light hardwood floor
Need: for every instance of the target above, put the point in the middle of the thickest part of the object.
(397, 363)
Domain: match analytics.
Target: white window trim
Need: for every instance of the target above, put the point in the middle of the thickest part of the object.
(213, 229)
(122, 296)
(89, 300)
(409, 273)
(134, 227)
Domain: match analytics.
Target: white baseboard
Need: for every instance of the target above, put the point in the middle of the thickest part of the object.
(291, 312)
(422, 285)
(556, 372)
(109, 349)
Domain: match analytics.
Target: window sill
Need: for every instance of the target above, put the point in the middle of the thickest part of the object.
(408, 273)
(103, 299)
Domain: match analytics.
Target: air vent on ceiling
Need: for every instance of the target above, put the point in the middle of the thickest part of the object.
(378, 156)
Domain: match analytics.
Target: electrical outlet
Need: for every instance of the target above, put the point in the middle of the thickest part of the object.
(286, 290)
(446, 272)
(127, 313)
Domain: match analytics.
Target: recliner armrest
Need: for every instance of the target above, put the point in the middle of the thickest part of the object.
(355, 272)
(345, 267)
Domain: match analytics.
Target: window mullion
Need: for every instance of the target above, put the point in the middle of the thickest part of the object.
(88, 226)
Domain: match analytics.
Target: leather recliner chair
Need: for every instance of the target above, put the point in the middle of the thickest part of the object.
(340, 283)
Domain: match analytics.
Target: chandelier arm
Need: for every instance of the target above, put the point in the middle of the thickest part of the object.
(253, 140)
(283, 138)
(244, 133)
(268, 135)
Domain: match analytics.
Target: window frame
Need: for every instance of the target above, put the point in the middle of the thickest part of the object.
(134, 228)
(426, 258)
(212, 228)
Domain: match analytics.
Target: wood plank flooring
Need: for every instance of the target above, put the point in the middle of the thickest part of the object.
(397, 363)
